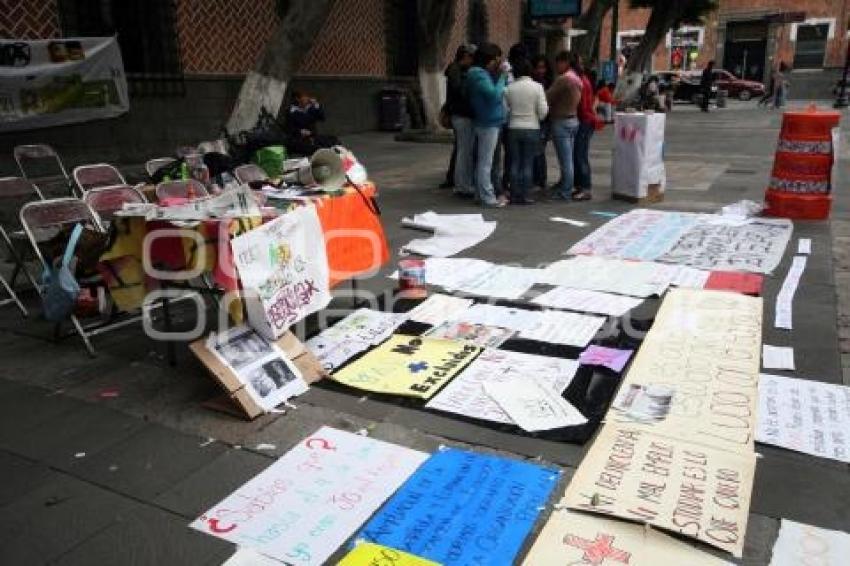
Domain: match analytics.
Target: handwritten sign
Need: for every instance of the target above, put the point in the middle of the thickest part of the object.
(579, 538)
(611, 358)
(568, 328)
(464, 508)
(800, 544)
(283, 266)
(476, 334)
(369, 554)
(533, 405)
(408, 365)
(438, 308)
(304, 506)
(755, 246)
(704, 346)
(632, 278)
(587, 301)
(694, 490)
(465, 394)
(639, 234)
(804, 415)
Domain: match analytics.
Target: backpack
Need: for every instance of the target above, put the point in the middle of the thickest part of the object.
(60, 286)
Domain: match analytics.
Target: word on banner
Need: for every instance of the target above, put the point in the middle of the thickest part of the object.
(369, 554)
(283, 266)
(693, 490)
(61, 81)
(579, 538)
(806, 416)
(408, 365)
(461, 507)
(703, 350)
(310, 501)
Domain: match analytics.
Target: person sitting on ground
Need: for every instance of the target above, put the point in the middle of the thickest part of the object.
(301, 126)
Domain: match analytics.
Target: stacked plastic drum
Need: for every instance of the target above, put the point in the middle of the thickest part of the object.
(801, 180)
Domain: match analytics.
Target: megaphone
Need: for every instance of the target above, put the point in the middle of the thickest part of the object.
(323, 170)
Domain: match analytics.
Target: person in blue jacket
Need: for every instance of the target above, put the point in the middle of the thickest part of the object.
(485, 83)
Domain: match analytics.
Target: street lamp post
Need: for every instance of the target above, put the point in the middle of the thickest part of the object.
(843, 101)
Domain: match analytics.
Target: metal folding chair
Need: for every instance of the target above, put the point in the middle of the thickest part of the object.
(41, 165)
(153, 165)
(248, 173)
(97, 175)
(180, 189)
(14, 193)
(106, 201)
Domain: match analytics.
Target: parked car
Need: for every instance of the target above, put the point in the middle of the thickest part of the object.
(689, 86)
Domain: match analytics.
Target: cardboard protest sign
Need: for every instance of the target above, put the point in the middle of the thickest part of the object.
(756, 246)
(800, 544)
(804, 415)
(703, 348)
(369, 554)
(693, 490)
(310, 501)
(408, 365)
(639, 234)
(283, 266)
(579, 538)
(465, 395)
(464, 508)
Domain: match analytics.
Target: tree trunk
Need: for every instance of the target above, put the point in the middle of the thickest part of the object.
(435, 19)
(663, 17)
(266, 85)
(591, 20)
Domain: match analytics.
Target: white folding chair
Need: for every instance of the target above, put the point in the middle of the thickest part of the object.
(180, 189)
(41, 165)
(14, 193)
(97, 175)
(248, 173)
(106, 201)
(154, 165)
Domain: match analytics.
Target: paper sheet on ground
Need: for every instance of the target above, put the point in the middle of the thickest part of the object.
(495, 315)
(639, 234)
(475, 334)
(465, 394)
(633, 278)
(463, 508)
(587, 301)
(777, 357)
(306, 504)
(438, 308)
(570, 221)
(533, 405)
(785, 298)
(500, 281)
(453, 233)
(756, 246)
(800, 544)
(697, 491)
(370, 554)
(353, 334)
(804, 415)
(689, 277)
(611, 358)
(408, 365)
(448, 273)
(245, 556)
(705, 346)
(582, 539)
(567, 328)
(804, 246)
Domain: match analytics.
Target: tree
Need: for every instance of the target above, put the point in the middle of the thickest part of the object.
(591, 21)
(434, 27)
(665, 16)
(265, 86)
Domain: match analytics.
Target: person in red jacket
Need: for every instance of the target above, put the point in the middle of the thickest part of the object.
(588, 122)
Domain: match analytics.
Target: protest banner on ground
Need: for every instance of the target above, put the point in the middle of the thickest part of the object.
(756, 246)
(310, 501)
(609, 275)
(694, 490)
(438, 308)
(799, 544)
(533, 405)
(703, 350)
(465, 394)
(370, 554)
(355, 333)
(464, 508)
(804, 415)
(284, 270)
(408, 365)
(569, 537)
(567, 328)
(583, 300)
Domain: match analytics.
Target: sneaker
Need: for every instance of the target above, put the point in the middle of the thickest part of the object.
(495, 204)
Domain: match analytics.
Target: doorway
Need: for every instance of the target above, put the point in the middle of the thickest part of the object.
(745, 49)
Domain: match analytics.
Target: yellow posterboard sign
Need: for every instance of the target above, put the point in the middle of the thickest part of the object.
(414, 366)
(370, 554)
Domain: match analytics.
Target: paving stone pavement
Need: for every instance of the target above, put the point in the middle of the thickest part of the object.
(93, 479)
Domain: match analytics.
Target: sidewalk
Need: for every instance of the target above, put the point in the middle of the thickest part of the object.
(92, 478)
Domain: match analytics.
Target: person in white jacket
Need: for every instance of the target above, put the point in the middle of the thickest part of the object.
(527, 107)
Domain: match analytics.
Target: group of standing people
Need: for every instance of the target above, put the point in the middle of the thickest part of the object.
(518, 105)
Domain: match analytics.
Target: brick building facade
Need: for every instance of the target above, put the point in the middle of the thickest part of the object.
(747, 37)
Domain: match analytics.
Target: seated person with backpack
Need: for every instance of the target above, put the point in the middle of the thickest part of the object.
(301, 126)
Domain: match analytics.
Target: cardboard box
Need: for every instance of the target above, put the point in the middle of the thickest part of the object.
(236, 400)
